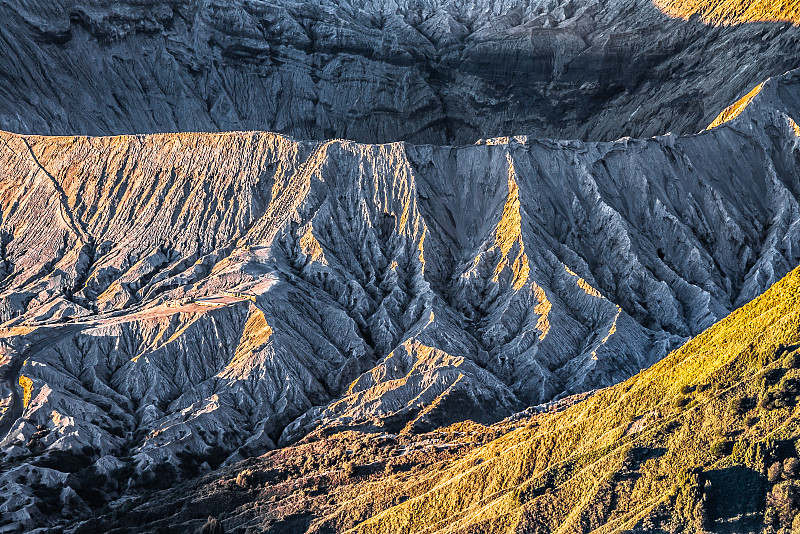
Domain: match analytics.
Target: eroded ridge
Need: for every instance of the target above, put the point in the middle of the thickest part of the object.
(201, 298)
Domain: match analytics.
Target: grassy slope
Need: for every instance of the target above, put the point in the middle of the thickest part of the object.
(734, 11)
(663, 451)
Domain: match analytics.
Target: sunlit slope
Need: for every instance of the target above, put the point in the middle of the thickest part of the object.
(735, 109)
(733, 11)
(684, 444)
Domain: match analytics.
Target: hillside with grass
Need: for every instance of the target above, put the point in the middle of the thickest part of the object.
(704, 441)
(726, 12)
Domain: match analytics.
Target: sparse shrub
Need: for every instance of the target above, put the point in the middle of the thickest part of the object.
(338, 452)
(349, 469)
(212, 526)
(310, 465)
(700, 517)
(681, 402)
(720, 448)
(246, 479)
(796, 523)
(780, 505)
(774, 472)
(685, 390)
(789, 385)
(687, 497)
(740, 405)
(767, 401)
(791, 466)
(792, 360)
(750, 421)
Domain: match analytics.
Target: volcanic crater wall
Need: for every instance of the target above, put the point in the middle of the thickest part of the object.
(172, 296)
(424, 71)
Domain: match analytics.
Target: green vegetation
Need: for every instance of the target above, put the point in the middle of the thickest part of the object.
(246, 479)
(349, 469)
(654, 453)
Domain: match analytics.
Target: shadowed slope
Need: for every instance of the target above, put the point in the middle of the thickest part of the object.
(424, 71)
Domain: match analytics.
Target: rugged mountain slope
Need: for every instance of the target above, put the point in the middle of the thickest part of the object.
(668, 448)
(733, 11)
(706, 440)
(440, 71)
(181, 299)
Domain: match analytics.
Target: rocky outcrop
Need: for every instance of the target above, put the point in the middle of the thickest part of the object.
(424, 71)
(179, 299)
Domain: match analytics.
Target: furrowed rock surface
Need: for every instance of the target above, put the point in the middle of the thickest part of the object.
(424, 71)
(182, 299)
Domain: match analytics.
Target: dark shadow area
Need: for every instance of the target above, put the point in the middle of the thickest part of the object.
(736, 497)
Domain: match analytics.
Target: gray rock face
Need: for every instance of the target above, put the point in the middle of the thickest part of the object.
(425, 71)
(179, 299)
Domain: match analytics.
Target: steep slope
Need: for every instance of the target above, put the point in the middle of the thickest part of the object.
(705, 440)
(733, 11)
(617, 460)
(180, 300)
(425, 71)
